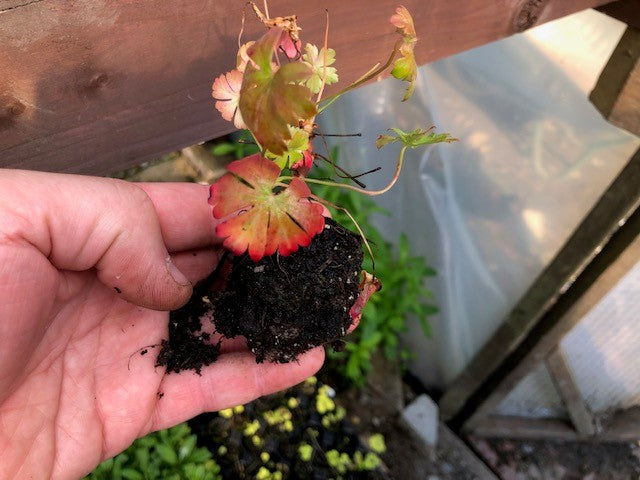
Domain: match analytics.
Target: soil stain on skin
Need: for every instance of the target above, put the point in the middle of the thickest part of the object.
(283, 306)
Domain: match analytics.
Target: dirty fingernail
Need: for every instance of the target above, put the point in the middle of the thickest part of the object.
(177, 275)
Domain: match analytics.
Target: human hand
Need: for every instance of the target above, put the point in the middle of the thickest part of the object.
(85, 282)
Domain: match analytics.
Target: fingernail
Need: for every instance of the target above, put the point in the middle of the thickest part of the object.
(177, 275)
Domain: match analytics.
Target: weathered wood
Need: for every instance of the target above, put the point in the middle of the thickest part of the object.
(95, 86)
(624, 426)
(583, 271)
(617, 92)
(582, 419)
(498, 426)
(627, 11)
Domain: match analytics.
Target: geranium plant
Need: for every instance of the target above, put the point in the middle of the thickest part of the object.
(264, 204)
(264, 208)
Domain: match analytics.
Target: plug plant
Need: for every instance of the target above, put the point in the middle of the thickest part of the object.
(264, 204)
(282, 298)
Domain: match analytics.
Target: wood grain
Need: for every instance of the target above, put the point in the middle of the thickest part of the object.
(562, 376)
(95, 86)
(623, 427)
(617, 92)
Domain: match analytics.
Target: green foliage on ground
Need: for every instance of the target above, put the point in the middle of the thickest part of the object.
(403, 296)
(165, 455)
(243, 147)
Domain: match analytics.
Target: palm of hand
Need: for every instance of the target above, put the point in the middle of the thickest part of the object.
(73, 390)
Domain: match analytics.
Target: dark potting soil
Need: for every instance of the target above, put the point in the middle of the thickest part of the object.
(269, 431)
(188, 347)
(283, 306)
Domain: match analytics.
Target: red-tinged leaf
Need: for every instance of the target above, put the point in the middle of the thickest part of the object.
(405, 67)
(290, 40)
(289, 46)
(270, 99)
(403, 21)
(368, 286)
(257, 219)
(226, 89)
(302, 166)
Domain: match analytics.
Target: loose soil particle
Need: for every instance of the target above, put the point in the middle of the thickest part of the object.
(188, 347)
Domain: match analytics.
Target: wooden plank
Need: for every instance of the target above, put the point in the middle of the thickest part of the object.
(627, 11)
(586, 267)
(498, 426)
(455, 450)
(94, 86)
(617, 92)
(624, 426)
(581, 417)
(599, 278)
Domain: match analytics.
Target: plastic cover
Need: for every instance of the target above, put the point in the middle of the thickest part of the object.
(490, 211)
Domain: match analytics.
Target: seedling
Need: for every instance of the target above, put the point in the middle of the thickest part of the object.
(263, 204)
(286, 304)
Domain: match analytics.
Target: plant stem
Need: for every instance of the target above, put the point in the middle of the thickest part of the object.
(324, 60)
(367, 76)
(371, 193)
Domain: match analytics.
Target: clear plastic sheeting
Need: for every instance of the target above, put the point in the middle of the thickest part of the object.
(534, 397)
(490, 211)
(603, 349)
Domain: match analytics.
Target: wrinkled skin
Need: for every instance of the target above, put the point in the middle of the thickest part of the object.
(73, 388)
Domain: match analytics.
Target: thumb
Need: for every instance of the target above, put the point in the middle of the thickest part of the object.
(111, 226)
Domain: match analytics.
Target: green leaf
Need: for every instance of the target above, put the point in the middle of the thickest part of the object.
(414, 138)
(426, 328)
(376, 443)
(131, 474)
(315, 60)
(223, 148)
(200, 455)
(142, 457)
(167, 453)
(305, 451)
(187, 447)
(296, 145)
(271, 101)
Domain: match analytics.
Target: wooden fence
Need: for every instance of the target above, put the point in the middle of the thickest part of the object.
(95, 86)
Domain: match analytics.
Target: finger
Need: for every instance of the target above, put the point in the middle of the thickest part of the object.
(79, 223)
(197, 264)
(185, 216)
(235, 379)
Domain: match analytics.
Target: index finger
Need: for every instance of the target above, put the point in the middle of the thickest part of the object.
(186, 221)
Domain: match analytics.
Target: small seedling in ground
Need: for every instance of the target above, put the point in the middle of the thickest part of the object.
(167, 454)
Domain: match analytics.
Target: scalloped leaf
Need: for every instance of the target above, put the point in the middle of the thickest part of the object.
(257, 218)
(315, 60)
(414, 138)
(272, 99)
(405, 67)
(226, 90)
(297, 145)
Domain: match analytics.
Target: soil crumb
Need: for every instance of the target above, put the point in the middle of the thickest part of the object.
(188, 347)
